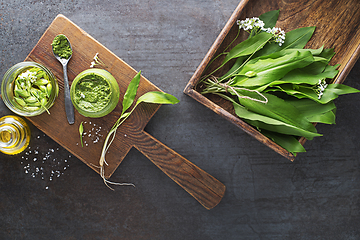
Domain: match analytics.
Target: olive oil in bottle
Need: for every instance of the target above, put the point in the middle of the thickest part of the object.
(14, 135)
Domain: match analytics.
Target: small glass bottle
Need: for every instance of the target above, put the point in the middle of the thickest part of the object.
(14, 135)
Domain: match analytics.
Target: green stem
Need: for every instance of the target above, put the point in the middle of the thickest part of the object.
(219, 56)
(112, 131)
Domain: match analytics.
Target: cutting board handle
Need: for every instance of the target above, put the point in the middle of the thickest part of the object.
(202, 186)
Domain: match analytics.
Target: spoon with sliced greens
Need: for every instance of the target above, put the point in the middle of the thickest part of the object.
(62, 51)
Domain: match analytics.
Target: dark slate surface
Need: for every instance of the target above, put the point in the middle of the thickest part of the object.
(267, 197)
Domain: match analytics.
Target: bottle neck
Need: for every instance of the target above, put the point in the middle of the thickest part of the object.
(8, 135)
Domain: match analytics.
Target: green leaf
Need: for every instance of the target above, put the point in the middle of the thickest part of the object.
(340, 89)
(248, 47)
(271, 124)
(308, 107)
(296, 38)
(288, 142)
(20, 101)
(299, 76)
(81, 131)
(272, 69)
(157, 98)
(330, 93)
(270, 18)
(319, 66)
(314, 111)
(130, 93)
(279, 109)
(326, 118)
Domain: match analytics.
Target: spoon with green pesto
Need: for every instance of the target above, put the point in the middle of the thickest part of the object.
(62, 51)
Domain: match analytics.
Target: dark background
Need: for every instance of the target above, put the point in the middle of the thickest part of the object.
(46, 193)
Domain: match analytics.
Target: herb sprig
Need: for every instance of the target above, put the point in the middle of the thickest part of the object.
(275, 84)
(154, 97)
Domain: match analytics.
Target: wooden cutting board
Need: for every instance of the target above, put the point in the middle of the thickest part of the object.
(201, 185)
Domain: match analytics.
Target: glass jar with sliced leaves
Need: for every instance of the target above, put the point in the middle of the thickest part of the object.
(29, 89)
(275, 84)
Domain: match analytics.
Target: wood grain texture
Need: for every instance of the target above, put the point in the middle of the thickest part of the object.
(337, 26)
(201, 185)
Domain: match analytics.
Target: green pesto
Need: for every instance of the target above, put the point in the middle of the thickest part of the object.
(92, 93)
(61, 46)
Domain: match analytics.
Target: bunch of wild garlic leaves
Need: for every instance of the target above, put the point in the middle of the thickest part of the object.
(276, 85)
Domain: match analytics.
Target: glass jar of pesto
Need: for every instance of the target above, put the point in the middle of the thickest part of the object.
(94, 93)
(29, 89)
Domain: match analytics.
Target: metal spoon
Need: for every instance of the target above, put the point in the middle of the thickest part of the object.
(69, 108)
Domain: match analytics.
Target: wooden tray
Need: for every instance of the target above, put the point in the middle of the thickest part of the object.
(337, 26)
(202, 186)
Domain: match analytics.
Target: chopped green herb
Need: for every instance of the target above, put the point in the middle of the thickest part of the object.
(61, 46)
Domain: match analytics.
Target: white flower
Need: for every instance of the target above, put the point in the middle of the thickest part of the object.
(278, 34)
(28, 75)
(320, 95)
(97, 61)
(321, 86)
(250, 23)
(96, 56)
